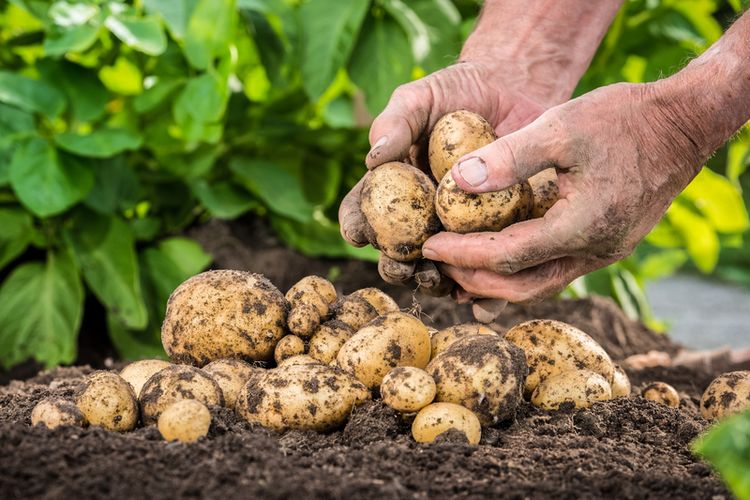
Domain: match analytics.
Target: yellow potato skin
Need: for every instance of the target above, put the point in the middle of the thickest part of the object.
(354, 311)
(483, 373)
(175, 383)
(455, 135)
(396, 339)
(727, 394)
(462, 212)
(407, 389)
(186, 421)
(303, 319)
(552, 347)
(300, 359)
(137, 372)
(231, 375)
(660, 392)
(302, 397)
(574, 388)
(289, 346)
(621, 387)
(314, 290)
(437, 418)
(398, 203)
(223, 314)
(53, 412)
(326, 343)
(108, 401)
(544, 192)
(441, 340)
(381, 301)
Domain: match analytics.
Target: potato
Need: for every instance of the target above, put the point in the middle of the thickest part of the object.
(455, 135)
(407, 389)
(381, 301)
(354, 311)
(440, 340)
(545, 192)
(396, 339)
(108, 401)
(288, 346)
(137, 372)
(462, 212)
(303, 397)
(54, 412)
(660, 392)
(552, 347)
(301, 359)
(620, 383)
(571, 389)
(175, 383)
(729, 393)
(186, 421)
(484, 373)
(311, 300)
(303, 320)
(398, 204)
(223, 314)
(328, 339)
(437, 418)
(231, 375)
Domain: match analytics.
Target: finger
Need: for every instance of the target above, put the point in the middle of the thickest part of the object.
(431, 281)
(487, 310)
(461, 296)
(510, 159)
(394, 272)
(352, 221)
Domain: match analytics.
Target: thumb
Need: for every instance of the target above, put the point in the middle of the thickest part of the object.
(510, 159)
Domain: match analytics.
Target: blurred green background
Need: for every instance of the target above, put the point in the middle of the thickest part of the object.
(124, 123)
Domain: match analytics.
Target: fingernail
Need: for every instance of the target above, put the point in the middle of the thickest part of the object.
(378, 144)
(429, 253)
(473, 171)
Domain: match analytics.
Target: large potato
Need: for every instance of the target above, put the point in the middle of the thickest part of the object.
(137, 372)
(186, 421)
(442, 339)
(729, 393)
(484, 373)
(53, 412)
(398, 203)
(437, 418)
(175, 383)
(326, 343)
(396, 339)
(462, 212)
(552, 347)
(572, 389)
(545, 192)
(303, 397)
(223, 314)
(407, 389)
(455, 135)
(231, 375)
(108, 401)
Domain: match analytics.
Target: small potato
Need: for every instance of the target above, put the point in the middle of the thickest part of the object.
(381, 301)
(186, 421)
(301, 359)
(729, 393)
(328, 339)
(175, 383)
(660, 392)
(311, 300)
(437, 418)
(398, 204)
(354, 311)
(440, 340)
(571, 389)
(462, 212)
(231, 375)
(303, 320)
(108, 401)
(54, 412)
(552, 347)
(484, 373)
(223, 314)
(545, 192)
(288, 346)
(455, 135)
(302, 397)
(396, 339)
(137, 372)
(620, 383)
(407, 389)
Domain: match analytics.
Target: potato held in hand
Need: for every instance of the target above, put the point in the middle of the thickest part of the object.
(108, 401)
(545, 192)
(176, 383)
(398, 203)
(729, 393)
(573, 389)
(455, 135)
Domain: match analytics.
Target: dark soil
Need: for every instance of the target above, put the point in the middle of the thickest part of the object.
(627, 448)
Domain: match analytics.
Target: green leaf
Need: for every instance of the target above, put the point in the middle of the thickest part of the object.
(75, 39)
(41, 305)
(115, 187)
(416, 30)
(278, 186)
(86, 94)
(105, 248)
(700, 237)
(143, 34)
(329, 30)
(123, 77)
(203, 99)
(135, 344)
(209, 31)
(188, 257)
(223, 199)
(381, 61)
(727, 447)
(46, 182)
(100, 143)
(16, 233)
(155, 96)
(719, 200)
(30, 95)
(175, 14)
(69, 14)
(443, 22)
(662, 264)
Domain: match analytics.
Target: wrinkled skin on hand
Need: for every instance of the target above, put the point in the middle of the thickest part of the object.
(621, 156)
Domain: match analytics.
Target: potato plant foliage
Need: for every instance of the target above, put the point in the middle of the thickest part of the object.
(123, 122)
